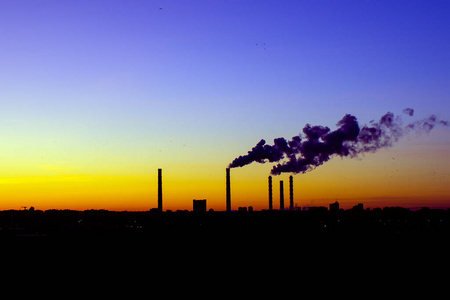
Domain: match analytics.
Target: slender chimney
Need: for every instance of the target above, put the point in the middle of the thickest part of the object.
(270, 193)
(160, 189)
(228, 190)
(281, 195)
(291, 192)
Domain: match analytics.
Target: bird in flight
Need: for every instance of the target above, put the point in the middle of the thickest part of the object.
(262, 46)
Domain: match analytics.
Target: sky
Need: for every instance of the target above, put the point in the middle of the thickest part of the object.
(95, 96)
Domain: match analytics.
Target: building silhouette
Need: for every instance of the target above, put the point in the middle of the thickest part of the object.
(334, 207)
(199, 205)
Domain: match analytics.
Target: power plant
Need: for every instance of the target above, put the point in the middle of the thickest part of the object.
(281, 195)
(291, 192)
(270, 193)
(199, 205)
(159, 189)
(228, 192)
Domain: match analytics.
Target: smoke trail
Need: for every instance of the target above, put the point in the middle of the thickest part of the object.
(408, 111)
(318, 144)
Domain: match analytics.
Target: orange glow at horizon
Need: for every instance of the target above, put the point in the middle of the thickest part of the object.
(388, 178)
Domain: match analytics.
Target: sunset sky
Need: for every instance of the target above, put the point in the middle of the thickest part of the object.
(95, 96)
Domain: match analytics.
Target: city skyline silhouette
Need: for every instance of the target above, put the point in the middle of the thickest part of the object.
(380, 224)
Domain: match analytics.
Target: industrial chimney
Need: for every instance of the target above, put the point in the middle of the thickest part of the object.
(291, 192)
(270, 193)
(281, 195)
(159, 189)
(228, 190)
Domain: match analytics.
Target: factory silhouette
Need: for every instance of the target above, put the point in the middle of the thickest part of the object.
(300, 154)
(201, 205)
(288, 222)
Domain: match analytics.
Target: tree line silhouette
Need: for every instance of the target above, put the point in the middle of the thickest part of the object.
(314, 222)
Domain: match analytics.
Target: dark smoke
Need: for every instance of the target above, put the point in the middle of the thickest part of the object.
(318, 144)
(409, 111)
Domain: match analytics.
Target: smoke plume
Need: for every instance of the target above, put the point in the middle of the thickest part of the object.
(318, 144)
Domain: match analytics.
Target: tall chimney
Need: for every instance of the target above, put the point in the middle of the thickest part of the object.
(291, 192)
(281, 195)
(228, 190)
(160, 189)
(270, 193)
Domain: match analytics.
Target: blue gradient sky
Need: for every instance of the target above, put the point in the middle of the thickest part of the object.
(120, 88)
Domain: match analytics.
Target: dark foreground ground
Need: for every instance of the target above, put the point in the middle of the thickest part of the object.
(308, 244)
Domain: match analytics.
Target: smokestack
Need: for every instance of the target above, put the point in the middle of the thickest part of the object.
(228, 190)
(281, 195)
(160, 189)
(291, 192)
(270, 192)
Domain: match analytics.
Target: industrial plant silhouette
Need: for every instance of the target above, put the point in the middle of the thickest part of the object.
(290, 222)
(300, 154)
